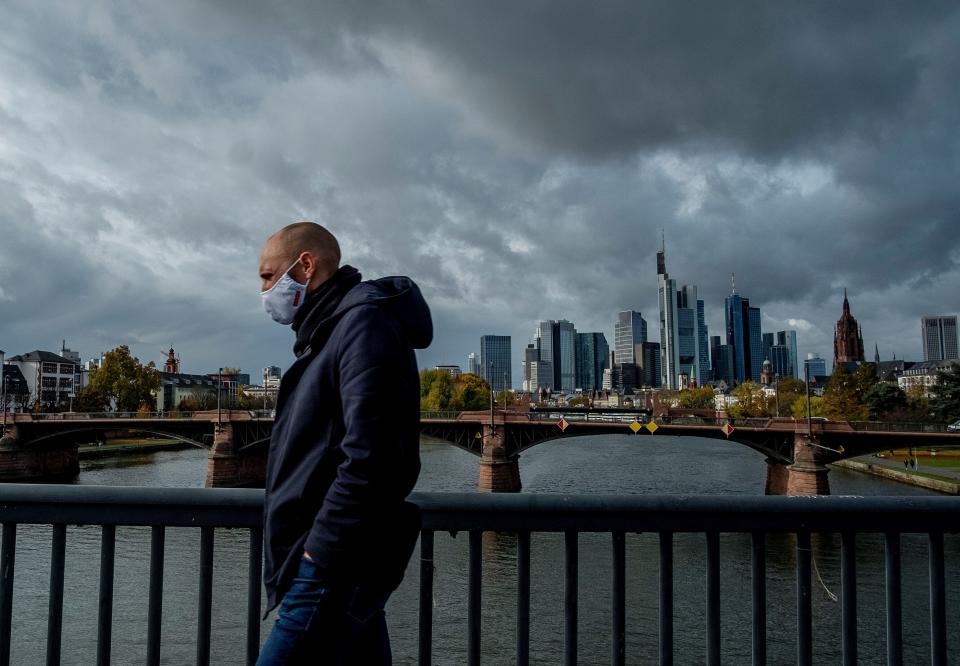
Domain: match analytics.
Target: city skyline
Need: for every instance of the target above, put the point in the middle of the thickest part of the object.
(143, 162)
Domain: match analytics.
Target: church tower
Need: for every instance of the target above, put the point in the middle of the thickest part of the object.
(847, 339)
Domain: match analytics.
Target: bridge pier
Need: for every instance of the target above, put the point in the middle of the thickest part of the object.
(806, 476)
(20, 463)
(227, 467)
(498, 472)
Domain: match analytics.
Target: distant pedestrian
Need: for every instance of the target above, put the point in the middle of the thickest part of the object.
(344, 452)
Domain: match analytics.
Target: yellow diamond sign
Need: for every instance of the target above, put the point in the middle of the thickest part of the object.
(562, 424)
(652, 427)
(635, 427)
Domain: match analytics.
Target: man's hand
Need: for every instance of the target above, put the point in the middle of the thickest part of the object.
(307, 555)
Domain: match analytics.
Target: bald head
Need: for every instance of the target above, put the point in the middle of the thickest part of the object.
(313, 250)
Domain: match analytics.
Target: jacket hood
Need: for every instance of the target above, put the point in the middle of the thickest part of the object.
(401, 297)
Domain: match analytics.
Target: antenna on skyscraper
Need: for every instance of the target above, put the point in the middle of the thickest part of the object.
(733, 283)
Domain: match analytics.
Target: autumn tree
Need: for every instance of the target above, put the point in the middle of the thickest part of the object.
(751, 401)
(470, 393)
(696, 398)
(788, 391)
(436, 390)
(843, 398)
(579, 401)
(121, 383)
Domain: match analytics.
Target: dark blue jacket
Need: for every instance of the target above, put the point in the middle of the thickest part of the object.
(344, 452)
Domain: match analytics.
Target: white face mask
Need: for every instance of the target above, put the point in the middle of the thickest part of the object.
(284, 297)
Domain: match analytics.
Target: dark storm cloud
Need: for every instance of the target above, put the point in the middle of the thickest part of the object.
(519, 160)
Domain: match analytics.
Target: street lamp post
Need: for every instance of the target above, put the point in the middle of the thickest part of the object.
(492, 426)
(776, 389)
(264, 391)
(3, 390)
(806, 377)
(219, 391)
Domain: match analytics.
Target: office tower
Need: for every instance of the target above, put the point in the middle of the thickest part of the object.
(667, 301)
(767, 341)
(683, 329)
(691, 336)
(939, 338)
(648, 365)
(557, 342)
(495, 361)
(789, 340)
(779, 357)
(473, 364)
(743, 335)
(629, 330)
(816, 365)
(537, 374)
(714, 356)
(592, 352)
(755, 343)
(704, 374)
(726, 365)
(847, 337)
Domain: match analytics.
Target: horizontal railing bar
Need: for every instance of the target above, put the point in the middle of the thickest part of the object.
(243, 507)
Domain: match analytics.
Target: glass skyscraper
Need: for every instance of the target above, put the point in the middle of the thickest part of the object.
(629, 330)
(495, 361)
(744, 336)
(939, 338)
(557, 343)
(592, 353)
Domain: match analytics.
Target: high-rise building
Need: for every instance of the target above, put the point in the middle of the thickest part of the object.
(939, 338)
(648, 364)
(495, 361)
(629, 330)
(556, 341)
(704, 374)
(692, 336)
(667, 302)
(537, 374)
(816, 366)
(779, 357)
(789, 340)
(767, 341)
(756, 350)
(847, 337)
(473, 364)
(683, 329)
(592, 353)
(744, 336)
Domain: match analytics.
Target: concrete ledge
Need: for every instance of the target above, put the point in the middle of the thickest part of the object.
(949, 487)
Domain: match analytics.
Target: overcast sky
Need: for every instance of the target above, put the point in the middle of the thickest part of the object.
(518, 160)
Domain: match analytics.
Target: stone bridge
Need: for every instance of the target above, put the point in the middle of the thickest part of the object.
(797, 452)
(45, 445)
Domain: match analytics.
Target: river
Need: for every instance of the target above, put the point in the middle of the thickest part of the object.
(599, 464)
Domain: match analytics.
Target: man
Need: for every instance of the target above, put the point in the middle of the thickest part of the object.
(344, 452)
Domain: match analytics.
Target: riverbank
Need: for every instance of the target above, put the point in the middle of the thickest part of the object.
(116, 447)
(942, 484)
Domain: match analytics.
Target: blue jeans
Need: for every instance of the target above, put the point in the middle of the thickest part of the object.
(321, 625)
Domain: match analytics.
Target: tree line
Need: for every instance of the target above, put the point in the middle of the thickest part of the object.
(848, 396)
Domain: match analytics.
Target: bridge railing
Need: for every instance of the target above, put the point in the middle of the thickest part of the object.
(206, 509)
(893, 426)
(440, 415)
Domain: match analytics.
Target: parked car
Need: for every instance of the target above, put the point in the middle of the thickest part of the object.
(955, 426)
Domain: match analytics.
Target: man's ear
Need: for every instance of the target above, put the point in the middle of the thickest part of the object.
(309, 263)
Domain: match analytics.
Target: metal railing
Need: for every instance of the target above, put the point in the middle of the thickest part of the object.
(475, 514)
